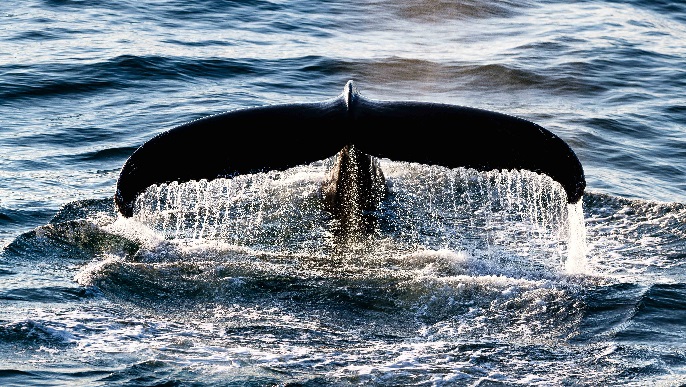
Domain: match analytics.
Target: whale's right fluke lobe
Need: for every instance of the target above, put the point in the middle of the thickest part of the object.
(457, 136)
(283, 136)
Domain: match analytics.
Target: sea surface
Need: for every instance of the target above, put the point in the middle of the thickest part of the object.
(473, 279)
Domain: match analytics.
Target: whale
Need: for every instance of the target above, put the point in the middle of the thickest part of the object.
(358, 131)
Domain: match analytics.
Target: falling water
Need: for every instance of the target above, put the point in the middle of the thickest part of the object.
(269, 210)
(499, 213)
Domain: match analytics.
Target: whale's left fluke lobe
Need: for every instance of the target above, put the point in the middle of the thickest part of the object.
(282, 136)
(233, 143)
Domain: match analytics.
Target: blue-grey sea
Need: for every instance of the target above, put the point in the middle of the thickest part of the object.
(475, 278)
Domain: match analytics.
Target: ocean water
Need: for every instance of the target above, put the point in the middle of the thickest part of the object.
(474, 278)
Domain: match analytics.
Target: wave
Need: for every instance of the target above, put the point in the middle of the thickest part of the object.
(119, 154)
(32, 333)
(665, 8)
(660, 312)
(429, 10)
(126, 71)
(44, 294)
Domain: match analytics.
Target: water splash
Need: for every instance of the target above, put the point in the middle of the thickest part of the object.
(576, 262)
(513, 214)
(271, 210)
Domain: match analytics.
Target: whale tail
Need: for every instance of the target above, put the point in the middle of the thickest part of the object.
(356, 129)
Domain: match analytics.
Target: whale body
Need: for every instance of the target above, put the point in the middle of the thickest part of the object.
(358, 131)
(352, 192)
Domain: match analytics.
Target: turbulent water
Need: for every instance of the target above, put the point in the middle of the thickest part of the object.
(472, 278)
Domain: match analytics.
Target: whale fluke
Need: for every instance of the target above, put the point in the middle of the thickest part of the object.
(354, 128)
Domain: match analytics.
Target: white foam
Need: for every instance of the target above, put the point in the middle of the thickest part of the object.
(576, 262)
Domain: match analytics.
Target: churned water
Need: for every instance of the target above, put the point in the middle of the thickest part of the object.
(472, 279)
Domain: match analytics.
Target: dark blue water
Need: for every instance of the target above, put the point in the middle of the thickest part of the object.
(477, 279)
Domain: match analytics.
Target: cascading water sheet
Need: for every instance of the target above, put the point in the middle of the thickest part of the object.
(513, 215)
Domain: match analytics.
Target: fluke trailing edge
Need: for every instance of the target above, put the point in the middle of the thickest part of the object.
(357, 130)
